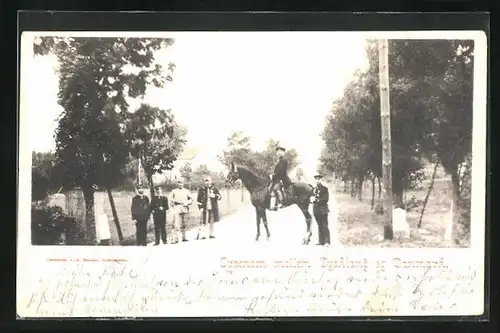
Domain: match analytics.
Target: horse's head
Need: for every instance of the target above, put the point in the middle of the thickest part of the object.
(232, 175)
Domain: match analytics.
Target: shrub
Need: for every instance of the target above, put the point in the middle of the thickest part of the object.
(49, 225)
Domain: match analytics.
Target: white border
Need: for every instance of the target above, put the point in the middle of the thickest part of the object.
(31, 259)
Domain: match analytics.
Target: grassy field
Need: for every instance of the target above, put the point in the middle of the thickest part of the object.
(231, 201)
(359, 226)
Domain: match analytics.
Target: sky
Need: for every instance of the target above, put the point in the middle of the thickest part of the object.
(277, 85)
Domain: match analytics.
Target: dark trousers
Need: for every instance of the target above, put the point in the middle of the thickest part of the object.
(323, 231)
(160, 223)
(278, 189)
(142, 231)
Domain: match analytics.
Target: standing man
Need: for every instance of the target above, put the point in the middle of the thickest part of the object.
(159, 205)
(208, 202)
(279, 177)
(181, 200)
(320, 210)
(141, 210)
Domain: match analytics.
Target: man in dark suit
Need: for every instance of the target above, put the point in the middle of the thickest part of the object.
(279, 177)
(159, 205)
(208, 202)
(141, 210)
(320, 210)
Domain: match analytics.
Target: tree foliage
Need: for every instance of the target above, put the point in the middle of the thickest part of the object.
(45, 176)
(431, 113)
(186, 171)
(155, 139)
(239, 151)
(96, 75)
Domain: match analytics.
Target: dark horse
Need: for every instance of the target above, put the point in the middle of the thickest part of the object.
(297, 194)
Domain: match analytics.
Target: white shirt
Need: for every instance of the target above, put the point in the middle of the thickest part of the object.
(181, 195)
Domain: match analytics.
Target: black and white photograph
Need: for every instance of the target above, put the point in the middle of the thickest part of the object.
(152, 141)
(329, 143)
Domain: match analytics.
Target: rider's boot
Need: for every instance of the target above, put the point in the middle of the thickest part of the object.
(280, 198)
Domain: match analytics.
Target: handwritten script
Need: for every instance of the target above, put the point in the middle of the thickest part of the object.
(125, 289)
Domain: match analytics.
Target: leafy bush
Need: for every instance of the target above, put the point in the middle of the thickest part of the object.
(49, 225)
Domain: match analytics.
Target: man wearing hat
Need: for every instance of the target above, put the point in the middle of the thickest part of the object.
(141, 210)
(159, 205)
(279, 176)
(181, 200)
(320, 210)
(208, 202)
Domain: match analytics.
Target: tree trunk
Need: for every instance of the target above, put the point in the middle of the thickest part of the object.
(115, 214)
(360, 189)
(346, 186)
(373, 192)
(455, 188)
(353, 188)
(90, 233)
(151, 187)
(428, 194)
(379, 187)
(385, 118)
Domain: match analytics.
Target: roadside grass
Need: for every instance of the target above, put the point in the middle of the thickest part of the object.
(359, 226)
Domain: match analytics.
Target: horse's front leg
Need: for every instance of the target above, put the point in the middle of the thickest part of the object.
(264, 219)
(258, 216)
(307, 238)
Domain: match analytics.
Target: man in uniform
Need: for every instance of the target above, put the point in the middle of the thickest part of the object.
(141, 210)
(208, 202)
(320, 210)
(159, 205)
(279, 177)
(181, 200)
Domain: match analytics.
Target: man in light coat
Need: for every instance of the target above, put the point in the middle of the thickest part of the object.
(181, 200)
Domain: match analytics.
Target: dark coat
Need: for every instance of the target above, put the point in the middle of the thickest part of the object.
(281, 171)
(156, 203)
(320, 205)
(141, 209)
(203, 197)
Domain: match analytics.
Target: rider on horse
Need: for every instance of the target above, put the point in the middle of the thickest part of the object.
(280, 177)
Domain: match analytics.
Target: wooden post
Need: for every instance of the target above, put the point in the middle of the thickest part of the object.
(385, 118)
(242, 191)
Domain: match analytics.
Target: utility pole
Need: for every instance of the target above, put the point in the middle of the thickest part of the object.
(385, 118)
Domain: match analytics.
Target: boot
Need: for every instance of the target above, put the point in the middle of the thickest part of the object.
(280, 199)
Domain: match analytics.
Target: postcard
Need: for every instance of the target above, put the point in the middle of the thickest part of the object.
(252, 174)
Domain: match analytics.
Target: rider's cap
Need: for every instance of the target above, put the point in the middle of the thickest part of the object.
(280, 148)
(318, 176)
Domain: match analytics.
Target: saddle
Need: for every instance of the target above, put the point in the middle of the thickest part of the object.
(287, 190)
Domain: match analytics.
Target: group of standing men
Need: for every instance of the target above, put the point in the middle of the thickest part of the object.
(179, 202)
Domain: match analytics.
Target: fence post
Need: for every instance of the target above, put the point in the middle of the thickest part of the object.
(242, 191)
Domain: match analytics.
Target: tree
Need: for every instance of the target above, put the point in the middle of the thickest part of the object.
(264, 160)
(45, 177)
(95, 76)
(431, 114)
(237, 150)
(155, 139)
(186, 171)
(202, 170)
